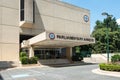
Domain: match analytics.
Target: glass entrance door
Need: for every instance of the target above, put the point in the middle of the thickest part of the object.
(48, 53)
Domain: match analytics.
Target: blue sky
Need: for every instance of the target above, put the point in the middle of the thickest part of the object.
(96, 7)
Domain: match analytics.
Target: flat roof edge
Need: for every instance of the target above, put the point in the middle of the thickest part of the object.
(68, 5)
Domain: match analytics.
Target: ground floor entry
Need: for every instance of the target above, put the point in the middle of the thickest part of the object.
(50, 53)
(53, 46)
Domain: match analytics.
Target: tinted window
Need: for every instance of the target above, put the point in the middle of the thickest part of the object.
(21, 10)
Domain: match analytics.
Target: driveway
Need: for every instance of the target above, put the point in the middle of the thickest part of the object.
(79, 72)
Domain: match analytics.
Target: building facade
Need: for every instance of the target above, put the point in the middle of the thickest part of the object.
(9, 31)
(42, 27)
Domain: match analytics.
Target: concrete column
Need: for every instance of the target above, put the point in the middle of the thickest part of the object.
(69, 53)
(31, 52)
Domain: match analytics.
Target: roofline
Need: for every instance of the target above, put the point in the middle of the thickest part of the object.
(67, 5)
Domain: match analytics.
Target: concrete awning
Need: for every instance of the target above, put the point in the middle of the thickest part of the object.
(53, 40)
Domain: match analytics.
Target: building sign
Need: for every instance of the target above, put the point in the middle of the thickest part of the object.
(86, 18)
(52, 36)
(74, 38)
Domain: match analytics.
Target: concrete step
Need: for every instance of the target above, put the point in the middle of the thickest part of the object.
(54, 61)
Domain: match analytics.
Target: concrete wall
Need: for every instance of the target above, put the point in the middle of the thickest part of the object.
(9, 30)
(59, 17)
(37, 25)
(28, 10)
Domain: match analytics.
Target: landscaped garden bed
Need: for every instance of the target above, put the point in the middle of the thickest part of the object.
(26, 60)
(109, 67)
(113, 66)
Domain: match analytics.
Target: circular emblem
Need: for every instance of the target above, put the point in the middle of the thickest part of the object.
(86, 18)
(52, 36)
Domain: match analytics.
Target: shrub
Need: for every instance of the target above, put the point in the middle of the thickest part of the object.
(77, 58)
(33, 60)
(109, 67)
(23, 54)
(115, 58)
(24, 60)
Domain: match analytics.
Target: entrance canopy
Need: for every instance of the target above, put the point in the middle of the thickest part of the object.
(55, 40)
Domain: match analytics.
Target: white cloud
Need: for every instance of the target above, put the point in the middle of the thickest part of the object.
(118, 21)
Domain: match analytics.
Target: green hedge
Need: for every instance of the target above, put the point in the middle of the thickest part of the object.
(109, 67)
(115, 58)
(77, 58)
(25, 60)
(33, 60)
(23, 54)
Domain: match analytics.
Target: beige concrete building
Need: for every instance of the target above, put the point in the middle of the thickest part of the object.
(45, 27)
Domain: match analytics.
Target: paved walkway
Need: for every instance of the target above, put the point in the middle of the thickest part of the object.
(73, 72)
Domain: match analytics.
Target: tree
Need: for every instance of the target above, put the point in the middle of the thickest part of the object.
(100, 35)
(77, 49)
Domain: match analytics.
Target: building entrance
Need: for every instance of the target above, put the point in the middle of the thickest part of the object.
(50, 53)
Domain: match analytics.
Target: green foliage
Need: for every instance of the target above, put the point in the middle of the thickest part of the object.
(77, 49)
(23, 54)
(77, 58)
(109, 67)
(85, 53)
(33, 60)
(25, 60)
(84, 50)
(115, 58)
(100, 35)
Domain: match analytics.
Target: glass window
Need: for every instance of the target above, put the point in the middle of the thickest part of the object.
(21, 10)
(33, 11)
